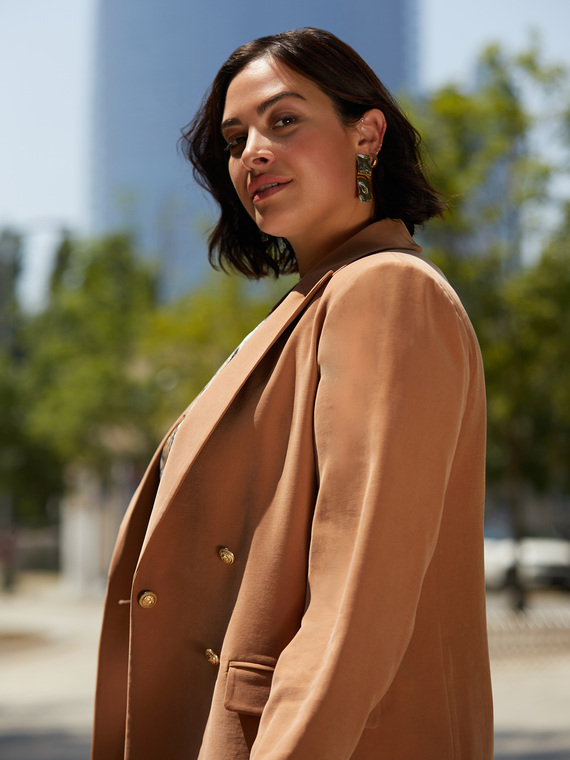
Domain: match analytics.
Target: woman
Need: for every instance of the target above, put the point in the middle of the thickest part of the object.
(305, 577)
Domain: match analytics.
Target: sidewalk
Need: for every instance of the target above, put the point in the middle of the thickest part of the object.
(530, 660)
(48, 649)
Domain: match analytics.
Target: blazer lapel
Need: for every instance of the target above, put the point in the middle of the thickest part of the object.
(210, 406)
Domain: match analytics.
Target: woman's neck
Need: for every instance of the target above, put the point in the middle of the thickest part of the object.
(312, 249)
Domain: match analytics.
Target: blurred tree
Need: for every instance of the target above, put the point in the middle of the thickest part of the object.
(499, 186)
(22, 497)
(87, 403)
(109, 368)
(530, 407)
(485, 142)
(188, 340)
(31, 475)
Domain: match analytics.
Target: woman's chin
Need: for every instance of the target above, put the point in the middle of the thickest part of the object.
(272, 232)
(273, 227)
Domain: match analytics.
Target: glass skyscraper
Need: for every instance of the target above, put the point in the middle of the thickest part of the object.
(154, 61)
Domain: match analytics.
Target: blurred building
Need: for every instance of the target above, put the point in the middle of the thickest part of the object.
(154, 62)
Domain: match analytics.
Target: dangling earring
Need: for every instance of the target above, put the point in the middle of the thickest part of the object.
(364, 166)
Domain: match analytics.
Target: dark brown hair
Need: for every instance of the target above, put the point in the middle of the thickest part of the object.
(400, 187)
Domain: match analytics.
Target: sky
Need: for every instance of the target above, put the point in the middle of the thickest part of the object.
(45, 84)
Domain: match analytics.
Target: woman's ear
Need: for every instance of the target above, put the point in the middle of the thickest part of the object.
(371, 129)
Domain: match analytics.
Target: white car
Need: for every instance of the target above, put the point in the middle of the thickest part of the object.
(540, 561)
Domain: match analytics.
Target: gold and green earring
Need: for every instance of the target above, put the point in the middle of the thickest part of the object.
(364, 166)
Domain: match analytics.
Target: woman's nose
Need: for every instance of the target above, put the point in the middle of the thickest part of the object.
(257, 151)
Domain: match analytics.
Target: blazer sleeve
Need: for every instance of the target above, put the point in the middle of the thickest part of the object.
(395, 356)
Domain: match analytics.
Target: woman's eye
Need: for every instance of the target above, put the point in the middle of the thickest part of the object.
(284, 121)
(233, 146)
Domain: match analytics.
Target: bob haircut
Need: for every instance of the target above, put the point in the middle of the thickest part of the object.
(401, 189)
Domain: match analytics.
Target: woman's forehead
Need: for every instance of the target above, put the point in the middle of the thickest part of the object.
(264, 81)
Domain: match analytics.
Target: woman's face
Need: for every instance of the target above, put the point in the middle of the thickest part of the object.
(291, 160)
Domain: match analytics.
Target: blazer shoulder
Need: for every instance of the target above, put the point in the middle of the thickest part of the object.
(396, 277)
(400, 262)
(386, 268)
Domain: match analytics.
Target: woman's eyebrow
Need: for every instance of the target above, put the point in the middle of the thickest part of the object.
(262, 107)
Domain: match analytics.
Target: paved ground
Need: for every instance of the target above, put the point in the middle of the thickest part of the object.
(530, 659)
(48, 649)
(48, 643)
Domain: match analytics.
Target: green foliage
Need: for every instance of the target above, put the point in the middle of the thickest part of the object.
(531, 412)
(97, 376)
(108, 368)
(30, 474)
(497, 161)
(486, 143)
(89, 405)
(190, 339)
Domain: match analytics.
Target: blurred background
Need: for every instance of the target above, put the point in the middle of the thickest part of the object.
(111, 320)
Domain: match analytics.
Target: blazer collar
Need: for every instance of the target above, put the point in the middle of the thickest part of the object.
(386, 235)
(209, 408)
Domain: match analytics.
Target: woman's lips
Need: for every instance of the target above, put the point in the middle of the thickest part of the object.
(267, 189)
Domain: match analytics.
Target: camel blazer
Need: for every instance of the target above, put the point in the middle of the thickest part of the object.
(306, 579)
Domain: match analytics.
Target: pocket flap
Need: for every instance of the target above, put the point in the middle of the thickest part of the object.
(247, 687)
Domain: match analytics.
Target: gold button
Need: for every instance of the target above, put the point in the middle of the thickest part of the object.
(212, 657)
(226, 555)
(147, 599)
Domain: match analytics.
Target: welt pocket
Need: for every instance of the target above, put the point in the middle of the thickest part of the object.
(247, 687)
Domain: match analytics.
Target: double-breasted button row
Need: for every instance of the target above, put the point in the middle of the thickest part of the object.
(147, 599)
(228, 557)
